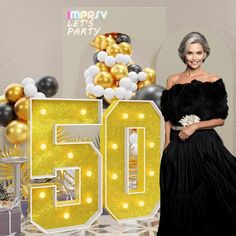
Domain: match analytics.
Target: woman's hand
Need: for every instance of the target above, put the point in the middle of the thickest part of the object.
(187, 131)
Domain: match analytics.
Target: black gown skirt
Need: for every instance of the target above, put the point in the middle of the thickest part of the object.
(198, 187)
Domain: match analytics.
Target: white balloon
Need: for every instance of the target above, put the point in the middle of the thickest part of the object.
(101, 56)
(89, 80)
(30, 90)
(127, 59)
(142, 76)
(120, 58)
(27, 80)
(110, 61)
(133, 76)
(134, 87)
(98, 90)
(89, 88)
(129, 95)
(39, 95)
(134, 149)
(87, 73)
(133, 138)
(109, 93)
(120, 93)
(126, 83)
(93, 70)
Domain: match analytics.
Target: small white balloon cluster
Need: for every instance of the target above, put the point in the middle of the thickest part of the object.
(30, 89)
(133, 143)
(127, 85)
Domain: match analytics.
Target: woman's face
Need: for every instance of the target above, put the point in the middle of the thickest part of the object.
(195, 55)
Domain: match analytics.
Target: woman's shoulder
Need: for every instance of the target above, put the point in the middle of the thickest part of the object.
(172, 80)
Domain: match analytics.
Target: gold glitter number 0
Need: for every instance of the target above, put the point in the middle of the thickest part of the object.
(131, 148)
(50, 157)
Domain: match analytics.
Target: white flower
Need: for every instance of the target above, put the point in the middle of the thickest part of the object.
(189, 119)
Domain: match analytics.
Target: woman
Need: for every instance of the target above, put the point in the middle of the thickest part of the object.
(198, 174)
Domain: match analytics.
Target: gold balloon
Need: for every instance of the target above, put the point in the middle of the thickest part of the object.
(151, 75)
(102, 66)
(143, 83)
(125, 48)
(107, 42)
(104, 79)
(16, 132)
(89, 95)
(110, 100)
(97, 41)
(3, 99)
(118, 71)
(21, 108)
(13, 92)
(113, 50)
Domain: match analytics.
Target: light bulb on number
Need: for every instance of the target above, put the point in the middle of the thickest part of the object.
(70, 155)
(43, 146)
(42, 195)
(43, 112)
(151, 144)
(141, 116)
(125, 116)
(89, 173)
(89, 200)
(66, 216)
(83, 112)
(125, 205)
(114, 146)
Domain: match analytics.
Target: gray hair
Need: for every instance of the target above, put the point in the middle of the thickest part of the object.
(193, 37)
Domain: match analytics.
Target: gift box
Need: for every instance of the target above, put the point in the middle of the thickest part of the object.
(24, 207)
(10, 221)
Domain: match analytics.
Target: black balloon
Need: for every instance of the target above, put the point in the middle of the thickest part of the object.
(95, 60)
(6, 114)
(150, 92)
(47, 85)
(123, 38)
(135, 68)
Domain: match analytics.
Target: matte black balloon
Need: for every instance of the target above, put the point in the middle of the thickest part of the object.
(6, 114)
(47, 85)
(123, 38)
(95, 60)
(150, 92)
(135, 68)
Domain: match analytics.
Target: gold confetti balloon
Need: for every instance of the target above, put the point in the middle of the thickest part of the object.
(113, 50)
(97, 41)
(151, 75)
(21, 108)
(125, 48)
(118, 71)
(16, 132)
(13, 92)
(107, 42)
(104, 79)
(102, 66)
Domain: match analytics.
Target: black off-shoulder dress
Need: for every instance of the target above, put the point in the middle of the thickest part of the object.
(198, 175)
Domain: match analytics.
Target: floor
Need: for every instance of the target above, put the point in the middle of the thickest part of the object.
(105, 225)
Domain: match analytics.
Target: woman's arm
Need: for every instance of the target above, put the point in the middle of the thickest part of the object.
(186, 132)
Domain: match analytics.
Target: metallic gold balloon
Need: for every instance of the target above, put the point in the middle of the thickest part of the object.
(3, 99)
(125, 48)
(113, 50)
(16, 132)
(118, 71)
(13, 92)
(107, 42)
(97, 41)
(151, 75)
(102, 66)
(21, 108)
(143, 83)
(104, 79)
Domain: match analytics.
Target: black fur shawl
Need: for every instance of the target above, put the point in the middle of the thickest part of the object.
(208, 100)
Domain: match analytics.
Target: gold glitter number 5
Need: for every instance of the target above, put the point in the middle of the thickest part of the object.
(49, 158)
